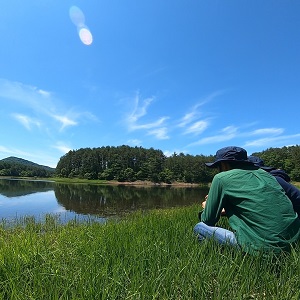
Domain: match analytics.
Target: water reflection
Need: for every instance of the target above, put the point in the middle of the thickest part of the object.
(36, 198)
(16, 188)
(110, 200)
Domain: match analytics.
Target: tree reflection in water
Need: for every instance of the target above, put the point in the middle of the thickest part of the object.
(94, 200)
(114, 200)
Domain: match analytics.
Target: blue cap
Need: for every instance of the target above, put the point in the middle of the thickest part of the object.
(259, 163)
(230, 154)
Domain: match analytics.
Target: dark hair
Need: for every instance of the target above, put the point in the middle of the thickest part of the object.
(240, 165)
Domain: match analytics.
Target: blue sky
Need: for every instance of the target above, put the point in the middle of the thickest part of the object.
(180, 76)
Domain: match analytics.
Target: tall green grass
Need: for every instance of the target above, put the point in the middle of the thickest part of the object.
(150, 255)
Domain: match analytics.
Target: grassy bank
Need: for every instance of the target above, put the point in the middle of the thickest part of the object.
(114, 182)
(101, 182)
(147, 256)
(297, 184)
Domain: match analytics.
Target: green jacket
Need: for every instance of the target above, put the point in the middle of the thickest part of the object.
(259, 212)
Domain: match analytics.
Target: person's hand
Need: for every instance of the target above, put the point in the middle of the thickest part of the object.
(203, 204)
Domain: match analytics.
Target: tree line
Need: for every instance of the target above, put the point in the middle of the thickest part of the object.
(16, 169)
(125, 163)
(286, 158)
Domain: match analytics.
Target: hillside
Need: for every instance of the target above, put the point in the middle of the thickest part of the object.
(21, 161)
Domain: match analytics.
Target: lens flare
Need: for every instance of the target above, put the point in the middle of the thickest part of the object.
(77, 17)
(86, 36)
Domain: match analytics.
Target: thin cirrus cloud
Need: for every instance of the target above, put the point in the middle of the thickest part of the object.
(30, 96)
(134, 142)
(263, 131)
(274, 136)
(62, 147)
(40, 102)
(65, 121)
(191, 116)
(156, 128)
(26, 121)
(269, 141)
(188, 118)
(191, 121)
(197, 127)
(226, 134)
(13, 151)
(159, 133)
(138, 112)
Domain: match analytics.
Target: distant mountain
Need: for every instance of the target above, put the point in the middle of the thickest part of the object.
(21, 161)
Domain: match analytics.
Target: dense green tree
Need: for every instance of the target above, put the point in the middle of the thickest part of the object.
(166, 176)
(17, 169)
(286, 158)
(126, 163)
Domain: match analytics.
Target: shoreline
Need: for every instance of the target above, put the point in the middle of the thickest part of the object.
(137, 183)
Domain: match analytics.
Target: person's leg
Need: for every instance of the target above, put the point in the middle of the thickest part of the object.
(221, 235)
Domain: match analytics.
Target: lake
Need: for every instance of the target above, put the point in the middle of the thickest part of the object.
(23, 198)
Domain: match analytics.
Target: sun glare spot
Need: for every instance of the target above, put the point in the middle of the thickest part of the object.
(77, 17)
(86, 36)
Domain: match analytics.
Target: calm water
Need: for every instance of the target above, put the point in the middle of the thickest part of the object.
(21, 198)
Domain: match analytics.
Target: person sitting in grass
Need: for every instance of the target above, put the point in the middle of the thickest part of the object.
(260, 214)
(283, 179)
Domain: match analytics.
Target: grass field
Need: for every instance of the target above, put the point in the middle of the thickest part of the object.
(151, 255)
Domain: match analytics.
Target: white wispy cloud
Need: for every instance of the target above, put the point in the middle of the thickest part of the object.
(197, 127)
(41, 103)
(270, 141)
(156, 128)
(62, 147)
(139, 111)
(228, 133)
(134, 142)
(26, 121)
(191, 120)
(266, 131)
(169, 153)
(13, 152)
(191, 116)
(155, 124)
(65, 121)
(30, 96)
(187, 118)
(44, 93)
(159, 133)
(273, 137)
(38, 156)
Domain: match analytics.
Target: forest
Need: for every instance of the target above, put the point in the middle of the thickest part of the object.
(18, 167)
(129, 164)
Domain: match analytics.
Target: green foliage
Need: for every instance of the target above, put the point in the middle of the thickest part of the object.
(14, 166)
(147, 256)
(126, 163)
(286, 158)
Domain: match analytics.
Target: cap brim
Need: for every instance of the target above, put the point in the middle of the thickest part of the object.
(267, 168)
(213, 164)
(217, 162)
